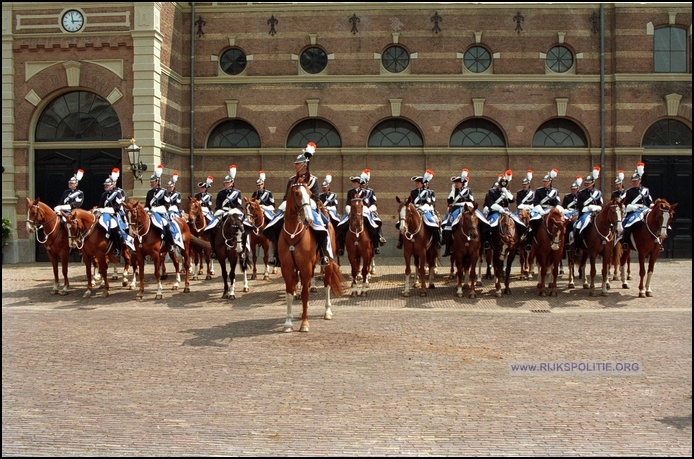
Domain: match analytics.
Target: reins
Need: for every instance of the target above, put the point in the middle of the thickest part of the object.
(36, 225)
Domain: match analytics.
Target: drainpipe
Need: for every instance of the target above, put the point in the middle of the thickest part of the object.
(602, 95)
(192, 98)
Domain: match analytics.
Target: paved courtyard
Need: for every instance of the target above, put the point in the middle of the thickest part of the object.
(192, 374)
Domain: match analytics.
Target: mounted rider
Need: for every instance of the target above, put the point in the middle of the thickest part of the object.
(589, 202)
(319, 222)
(371, 211)
(72, 198)
(525, 196)
(173, 198)
(424, 200)
(497, 201)
(205, 199)
(619, 190)
(569, 203)
(638, 201)
(230, 202)
(264, 196)
(460, 196)
(329, 200)
(546, 198)
(111, 216)
(156, 207)
(342, 226)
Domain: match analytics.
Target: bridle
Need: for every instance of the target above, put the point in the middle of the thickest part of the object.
(137, 224)
(196, 214)
(252, 209)
(298, 208)
(81, 237)
(473, 230)
(234, 229)
(36, 225)
(664, 213)
(554, 239)
(404, 227)
(612, 209)
(356, 220)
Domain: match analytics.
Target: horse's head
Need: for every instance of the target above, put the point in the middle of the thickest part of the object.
(556, 227)
(403, 206)
(524, 216)
(77, 227)
(612, 214)
(662, 213)
(195, 214)
(254, 213)
(135, 215)
(507, 229)
(469, 222)
(299, 201)
(356, 212)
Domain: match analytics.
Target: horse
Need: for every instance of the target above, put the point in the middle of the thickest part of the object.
(417, 242)
(41, 217)
(646, 238)
(148, 241)
(614, 264)
(298, 253)
(227, 240)
(504, 244)
(599, 239)
(548, 244)
(256, 216)
(358, 245)
(197, 225)
(466, 248)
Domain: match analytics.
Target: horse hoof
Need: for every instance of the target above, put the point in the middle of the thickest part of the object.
(246, 289)
(592, 293)
(507, 291)
(561, 271)
(422, 294)
(328, 317)
(571, 285)
(304, 329)
(64, 292)
(124, 284)
(649, 294)
(628, 277)
(175, 287)
(459, 295)
(607, 286)
(406, 294)
(287, 329)
(543, 294)
(553, 294)
(472, 296)
(158, 297)
(604, 294)
(266, 277)
(625, 286)
(431, 286)
(87, 294)
(104, 295)
(642, 295)
(497, 294)
(54, 292)
(114, 277)
(253, 277)
(186, 290)
(314, 289)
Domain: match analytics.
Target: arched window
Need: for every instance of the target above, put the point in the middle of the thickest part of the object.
(477, 59)
(78, 115)
(560, 59)
(395, 59)
(313, 60)
(560, 133)
(668, 134)
(477, 132)
(396, 133)
(670, 50)
(234, 134)
(320, 132)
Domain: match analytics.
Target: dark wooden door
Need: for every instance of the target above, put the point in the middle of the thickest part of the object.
(55, 167)
(670, 177)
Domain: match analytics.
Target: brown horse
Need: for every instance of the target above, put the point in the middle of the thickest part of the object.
(466, 248)
(646, 238)
(548, 245)
(256, 216)
(417, 243)
(148, 241)
(298, 253)
(599, 239)
(40, 217)
(358, 245)
(201, 252)
(86, 234)
(227, 239)
(504, 244)
(616, 257)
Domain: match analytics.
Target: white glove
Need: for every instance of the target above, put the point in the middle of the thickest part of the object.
(218, 213)
(373, 208)
(159, 209)
(65, 207)
(347, 207)
(633, 207)
(595, 208)
(497, 207)
(485, 211)
(538, 209)
(107, 210)
(507, 193)
(282, 206)
(173, 208)
(560, 208)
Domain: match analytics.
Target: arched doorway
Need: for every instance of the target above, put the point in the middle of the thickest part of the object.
(80, 118)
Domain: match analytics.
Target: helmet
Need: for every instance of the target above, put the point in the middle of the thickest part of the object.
(503, 182)
(261, 178)
(108, 181)
(207, 183)
(77, 177)
(328, 179)
(416, 178)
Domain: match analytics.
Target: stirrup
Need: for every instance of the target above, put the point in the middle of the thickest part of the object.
(528, 247)
(398, 245)
(340, 252)
(625, 246)
(377, 251)
(324, 261)
(382, 240)
(487, 245)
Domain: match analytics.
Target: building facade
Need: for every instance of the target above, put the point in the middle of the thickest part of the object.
(397, 88)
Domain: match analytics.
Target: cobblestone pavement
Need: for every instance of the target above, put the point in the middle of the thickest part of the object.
(193, 374)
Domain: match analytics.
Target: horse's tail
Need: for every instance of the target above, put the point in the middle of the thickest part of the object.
(199, 243)
(334, 278)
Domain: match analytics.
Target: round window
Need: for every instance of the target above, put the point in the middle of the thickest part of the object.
(395, 59)
(560, 59)
(313, 60)
(477, 59)
(233, 61)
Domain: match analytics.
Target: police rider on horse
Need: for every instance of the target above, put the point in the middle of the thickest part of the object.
(619, 190)
(329, 199)
(424, 200)
(371, 211)
(264, 196)
(546, 197)
(72, 198)
(111, 216)
(637, 200)
(589, 202)
(569, 204)
(459, 196)
(205, 200)
(318, 224)
(156, 207)
(230, 201)
(497, 201)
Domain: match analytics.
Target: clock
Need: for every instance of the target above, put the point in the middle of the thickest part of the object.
(73, 20)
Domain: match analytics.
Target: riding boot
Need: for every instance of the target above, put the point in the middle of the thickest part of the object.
(399, 244)
(340, 235)
(448, 240)
(381, 239)
(487, 239)
(116, 240)
(323, 246)
(375, 241)
(625, 239)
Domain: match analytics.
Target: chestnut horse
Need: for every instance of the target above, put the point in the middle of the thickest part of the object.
(201, 252)
(148, 241)
(227, 240)
(256, 216)
(548, 245)
(466, 248)
(646, 238)
(358, 245)
(417, 242)
(599, 239)
(504, 244)
(41, 217)
(298, 253)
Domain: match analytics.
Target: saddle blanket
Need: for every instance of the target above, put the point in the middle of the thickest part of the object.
(583, 222)
(493, 219)
(454, 217)
(635, 217)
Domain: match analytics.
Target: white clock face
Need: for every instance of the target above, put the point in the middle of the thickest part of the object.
(73, 21)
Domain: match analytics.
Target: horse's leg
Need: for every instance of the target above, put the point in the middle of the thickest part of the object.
(606, 261)
(244, 271)
(164, 274)
(422, 274)
(651, 267)
(158, 262)
(103, 269)
(186, 265)
(54, 262)
(497, 265)
(509, 263)
(593, 272)
(221, 258)
(64, 260)
(141, 274)
(177, 268)
(555, 275)
(232, 277)
(266, 250)
(542, 273)
(306, 278)
(642, 273)
(459, 267)
(622, 268)
(115, 259)
(582, 268)
(408, 273)
(88, 263)
(329, 271)
(366, 272)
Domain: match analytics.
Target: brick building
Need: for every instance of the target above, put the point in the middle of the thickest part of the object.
(397, 88)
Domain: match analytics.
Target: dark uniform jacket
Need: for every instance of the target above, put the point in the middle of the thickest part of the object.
(205, 199)
(264, 197)
(230, 199)
(423, 196)
(640, 195)
(495, 195)
(155, 197)
(73, 197)
(546, 197)
(524, 197)
(460, 197)
(569, 201)
(173, 198)
(112, 198)
(587, 197)
(328, 199)
(312, 182)
(618, 194)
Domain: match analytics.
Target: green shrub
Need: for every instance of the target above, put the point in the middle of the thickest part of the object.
(6, 231)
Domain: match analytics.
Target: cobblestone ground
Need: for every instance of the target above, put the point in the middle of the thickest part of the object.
(193, 374)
